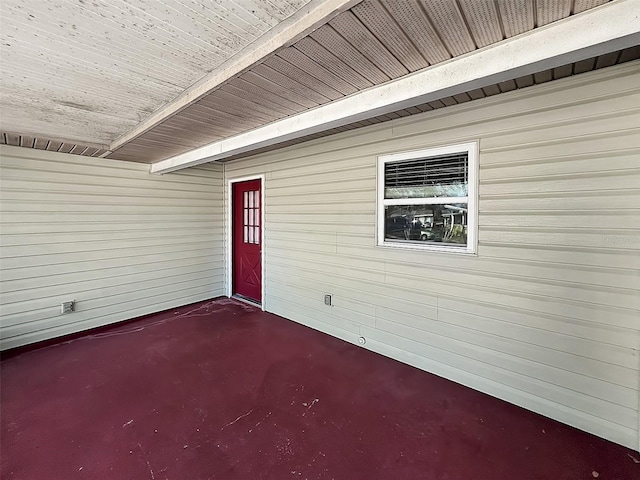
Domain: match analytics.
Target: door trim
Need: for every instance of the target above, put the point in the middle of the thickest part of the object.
(229, 234)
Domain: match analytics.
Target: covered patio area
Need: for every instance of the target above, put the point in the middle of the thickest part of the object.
(222, 390)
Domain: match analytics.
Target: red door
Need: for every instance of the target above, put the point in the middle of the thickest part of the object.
(247, 240)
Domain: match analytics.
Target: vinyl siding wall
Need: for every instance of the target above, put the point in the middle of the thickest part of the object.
(546, 316)
(107, 234)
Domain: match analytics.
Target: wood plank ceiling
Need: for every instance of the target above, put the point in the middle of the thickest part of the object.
(374, 42)
(603, 61)
(91, 70)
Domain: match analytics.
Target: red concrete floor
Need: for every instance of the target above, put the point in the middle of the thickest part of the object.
(220, 390)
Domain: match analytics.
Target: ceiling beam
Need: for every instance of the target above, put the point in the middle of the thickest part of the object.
(313, 15)
(611, 27)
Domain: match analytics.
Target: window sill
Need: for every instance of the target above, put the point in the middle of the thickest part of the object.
(429, 248)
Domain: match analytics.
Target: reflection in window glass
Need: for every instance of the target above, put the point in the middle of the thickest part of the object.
(443, 224)
(428, 199)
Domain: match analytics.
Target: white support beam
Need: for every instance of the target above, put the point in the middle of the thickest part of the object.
(608, 28)
(313, 15)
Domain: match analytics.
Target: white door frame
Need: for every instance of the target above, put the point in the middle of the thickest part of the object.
(229, 233)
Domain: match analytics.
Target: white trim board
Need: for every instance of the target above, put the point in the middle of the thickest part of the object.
(608, 28)
(229, 234)
(298, 25)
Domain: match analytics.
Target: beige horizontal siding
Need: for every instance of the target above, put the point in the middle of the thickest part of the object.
(547, 315)
(117, 240)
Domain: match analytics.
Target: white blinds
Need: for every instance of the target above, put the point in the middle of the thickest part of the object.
(440, 176)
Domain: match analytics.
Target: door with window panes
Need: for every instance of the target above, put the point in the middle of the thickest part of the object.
(247, 240)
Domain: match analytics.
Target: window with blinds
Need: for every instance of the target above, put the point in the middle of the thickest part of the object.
(442, 176)
(426, 199)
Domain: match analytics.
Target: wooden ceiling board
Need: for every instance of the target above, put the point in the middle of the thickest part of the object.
(203, 113)
(526, 81)
(155, 138)
(233, 105)
(521, 82)
(92, 86)
(197, 134)
(583, 5)
(335, 43)
(476, 94)
(254, 96)
(629, 54)
(451, 25)
(258, 102)
(89, 151)
(296, 91)
(517, 83)
(197, 119)
(53, 146)
(413, 110)
(127, 158)
(490, 90)
(143, 154)
(252, 82)
(323, 57)
(196, 137)
(26, 141)
(12, 139)
(412, 18)
(41, 143)
(66, 147)
(119, 60)
(226, 23)
(543, 77)
(517, 16)
(462, 97)
(258, 105)
(230, 15)
(507, 86)
(301, 76)
(391, 115)
(70, 40)
(563, 71)
(584, 66)
(371, 43)
(292, 99)
(194, 125)
(448, 101)
(483, 21)
(168, 133)
(148, 143)
(607, 60)
(379, 21)
(354, 32)
(424, 107)
(548, 11)
(309, 65)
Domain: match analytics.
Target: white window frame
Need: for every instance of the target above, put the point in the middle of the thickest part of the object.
(471, 149)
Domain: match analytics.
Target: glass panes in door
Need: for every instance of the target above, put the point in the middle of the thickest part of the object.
(251, 214)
